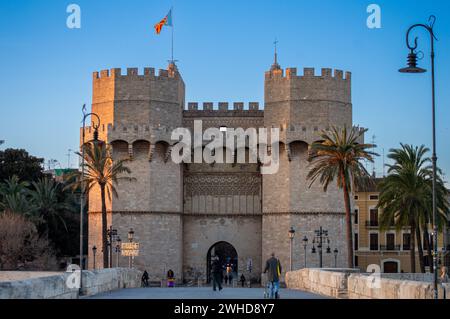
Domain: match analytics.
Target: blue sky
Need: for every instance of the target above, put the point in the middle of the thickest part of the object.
(223, 48)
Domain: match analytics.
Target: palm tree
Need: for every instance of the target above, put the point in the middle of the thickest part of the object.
(101, 171)
(45, 196)
(338, 157)
(14, 198)
(426, 214)
(13, 185)
(405, 195)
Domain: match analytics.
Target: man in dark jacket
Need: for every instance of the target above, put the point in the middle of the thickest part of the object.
(273, 270)
(145, 279)
(217, 272)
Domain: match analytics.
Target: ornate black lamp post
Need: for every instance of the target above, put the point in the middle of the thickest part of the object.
(335, 252)
(305, 244)
(130, 239)
(321, 237)
(118, 250)
(94, 253)
(291, 233)
(413, 68)
(111, 233)
(95, 126)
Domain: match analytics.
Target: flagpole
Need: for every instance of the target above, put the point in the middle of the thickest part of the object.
(171, 13)
(172, 40)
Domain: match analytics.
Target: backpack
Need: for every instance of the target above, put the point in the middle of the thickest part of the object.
(278, 268)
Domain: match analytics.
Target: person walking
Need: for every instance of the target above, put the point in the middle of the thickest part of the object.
(229, 274)
(273, 270)
(242, 280)
(444, 279)
(170, 279)
(144, 279)
(217, 273)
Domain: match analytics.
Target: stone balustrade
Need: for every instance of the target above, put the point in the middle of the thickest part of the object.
(363, 286)
(327, 282)
(55, 286)
(349, 283)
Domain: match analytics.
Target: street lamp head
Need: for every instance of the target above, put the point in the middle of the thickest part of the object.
(412, 64)
(328, 250)
(313, 250)
(291, 233)
(305, 240)
(94, 249)
(335, 251)
(131, 234)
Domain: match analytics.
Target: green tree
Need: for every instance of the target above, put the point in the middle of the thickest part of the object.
(14, 198)
(45, 196)
(102, 172)
(406, 193)
(48, 206)
(338, 157)
(18, 162)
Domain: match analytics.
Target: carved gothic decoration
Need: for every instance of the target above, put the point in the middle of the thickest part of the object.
(222, 184)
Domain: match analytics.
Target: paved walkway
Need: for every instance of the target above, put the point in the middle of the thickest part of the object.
(201, 293)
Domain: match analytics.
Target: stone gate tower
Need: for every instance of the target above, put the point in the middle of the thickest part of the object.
(302, 106)
(182, 214)
(138, 113)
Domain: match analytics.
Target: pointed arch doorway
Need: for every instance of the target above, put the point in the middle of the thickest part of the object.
(227, 255)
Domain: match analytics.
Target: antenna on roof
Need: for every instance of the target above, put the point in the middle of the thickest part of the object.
(275, 65)
(373, 150)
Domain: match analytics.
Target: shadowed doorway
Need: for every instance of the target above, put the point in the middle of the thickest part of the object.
(390, 267)
(227, 255)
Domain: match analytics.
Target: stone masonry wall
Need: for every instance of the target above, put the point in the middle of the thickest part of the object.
(202, 232)
(328, 282)
(360, 287)
(275, 239)
(349, 283)
(160, 237)
(55, 287)
(176, 226)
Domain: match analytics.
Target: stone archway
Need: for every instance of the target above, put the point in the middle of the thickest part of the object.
(227, 255)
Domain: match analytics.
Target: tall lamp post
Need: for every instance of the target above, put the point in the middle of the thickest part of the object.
(94, 253)
(95, 126)
(291, 233)
(413, 68)
(305, 244)
(119, 241)
(130, 239)
(335, 252)
(321, 237)
(111, 233)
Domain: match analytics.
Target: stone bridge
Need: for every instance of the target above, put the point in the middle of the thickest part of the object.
(117, 283)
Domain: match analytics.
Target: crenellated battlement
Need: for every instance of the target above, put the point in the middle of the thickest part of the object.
(147, 72)
(308, 73)
(131, 133)
(223, 106)
(305, 132)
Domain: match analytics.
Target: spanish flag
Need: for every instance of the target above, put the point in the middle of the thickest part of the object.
(166, 21)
